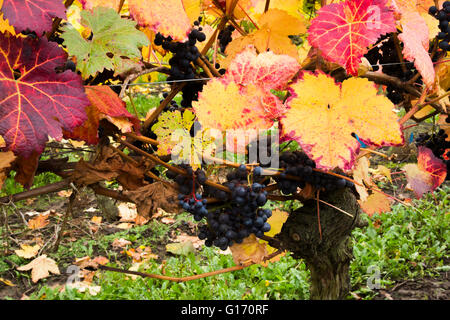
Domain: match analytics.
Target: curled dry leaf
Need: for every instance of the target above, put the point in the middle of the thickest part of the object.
(153, 196)
(108, 166)
(41, 267)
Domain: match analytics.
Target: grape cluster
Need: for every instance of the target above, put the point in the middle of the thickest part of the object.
(443, 16)
(183, 54)
(189, 187)
(385, 54)
(298, 164)
(243, 216)
(225, 37)
(437, 144)
(229, 223)
(181, 67)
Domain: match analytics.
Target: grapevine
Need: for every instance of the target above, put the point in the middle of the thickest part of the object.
(256, 103)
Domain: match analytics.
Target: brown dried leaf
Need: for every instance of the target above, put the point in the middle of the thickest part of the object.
(153, 196)
(39, 222)
(249, 250)
(41, 267)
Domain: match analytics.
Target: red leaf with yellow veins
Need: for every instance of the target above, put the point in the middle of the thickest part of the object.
(104, 104)
(266, 70)
(428, 174)
(35, 101)
(343, 31)
(165, 16)
(323, 115)
(35, 15)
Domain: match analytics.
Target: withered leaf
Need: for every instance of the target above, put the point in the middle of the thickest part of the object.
(153, 196)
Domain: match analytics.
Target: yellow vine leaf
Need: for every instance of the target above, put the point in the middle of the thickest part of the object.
(274, 28)
(165, 16)
(323, 115)
(224, 106)
(375, 203)
(193, 8)
(293, 7)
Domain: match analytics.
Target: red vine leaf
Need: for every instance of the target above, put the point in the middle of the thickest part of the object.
(343, 31)
(35, 15)
(35, 101)
(428, 174)
(266, 70)
(104, 104)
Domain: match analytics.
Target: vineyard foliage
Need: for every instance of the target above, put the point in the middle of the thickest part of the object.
(332, 76)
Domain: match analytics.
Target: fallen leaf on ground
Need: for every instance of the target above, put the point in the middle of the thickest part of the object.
(125, 226)
(181, 248)
(127, 212)
(82, 286)
(27, 251)
(167, 220)
(140, 254)
(41, 267)
(7, 282)
(120, 243)
(39, 222)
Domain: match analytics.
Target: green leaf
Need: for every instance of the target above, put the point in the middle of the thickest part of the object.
(114, 45)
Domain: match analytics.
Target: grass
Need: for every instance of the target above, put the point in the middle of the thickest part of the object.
(403, 244)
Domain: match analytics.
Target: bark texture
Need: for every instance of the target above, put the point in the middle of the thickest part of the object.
(328, 256)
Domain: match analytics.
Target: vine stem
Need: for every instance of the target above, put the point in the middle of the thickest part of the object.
(163, 104)
(64, 223)
(188, 278)
(168, 166)
(266, 7)
(414, 109)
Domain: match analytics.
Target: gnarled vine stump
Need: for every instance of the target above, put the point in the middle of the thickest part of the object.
(327, 257)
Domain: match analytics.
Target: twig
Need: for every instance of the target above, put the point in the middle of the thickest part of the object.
(54, 187)
(163, 104)
(188, 278)
(399, 53)
(120, 6)
(414, 109)
(318, 215)
(266, 7)
(59, 235)
(134, 76)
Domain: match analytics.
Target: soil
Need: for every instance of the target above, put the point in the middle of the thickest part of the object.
(428, 288)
